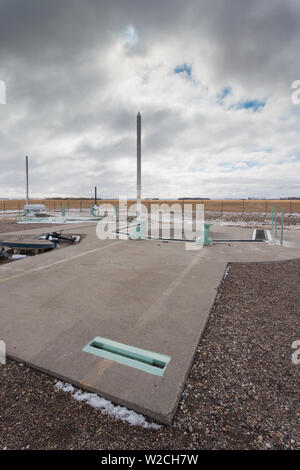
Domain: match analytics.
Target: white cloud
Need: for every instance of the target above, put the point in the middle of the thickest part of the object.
(130, 36)
(72, 101)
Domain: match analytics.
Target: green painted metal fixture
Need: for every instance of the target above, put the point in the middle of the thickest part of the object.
(275, 225)
(139, 232)
(63, 211)
(92, 209)
(116, 207)
(272, 218)
(141, 359)
(205, 239)
(282, 223)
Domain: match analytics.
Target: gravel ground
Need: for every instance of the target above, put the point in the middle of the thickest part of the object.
(255, 218)
(8, 224)
(242, 391)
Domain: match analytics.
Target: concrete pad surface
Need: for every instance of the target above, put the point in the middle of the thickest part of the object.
(148, 294)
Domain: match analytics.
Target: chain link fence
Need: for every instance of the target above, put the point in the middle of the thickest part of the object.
(220, 206)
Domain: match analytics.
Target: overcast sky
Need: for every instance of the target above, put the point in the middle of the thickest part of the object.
(212, 80)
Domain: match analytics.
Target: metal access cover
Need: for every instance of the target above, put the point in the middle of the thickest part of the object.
(148, 361)
(28, 244)
(260, 235)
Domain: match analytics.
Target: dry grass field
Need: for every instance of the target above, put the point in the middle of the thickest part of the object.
(242, 206)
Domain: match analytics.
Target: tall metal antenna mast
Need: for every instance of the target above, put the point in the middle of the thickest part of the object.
(27, 197)
(139, 169)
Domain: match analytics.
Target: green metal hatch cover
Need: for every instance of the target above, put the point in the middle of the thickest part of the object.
(148, 361)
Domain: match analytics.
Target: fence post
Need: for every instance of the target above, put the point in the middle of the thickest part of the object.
(63, 210)
(275, 222)
(80, 205)
(272, 215)
(282, 222)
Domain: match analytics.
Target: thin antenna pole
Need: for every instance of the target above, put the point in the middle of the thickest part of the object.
(139, 159)
(27, 197)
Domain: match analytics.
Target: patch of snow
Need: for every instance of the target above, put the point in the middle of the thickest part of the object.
(80, 221)
(14, 211)
(107, 407)
(292, 227)
(226, 272)
(240, 223)
(64, 387)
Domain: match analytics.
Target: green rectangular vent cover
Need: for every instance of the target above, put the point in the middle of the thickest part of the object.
(128, 355)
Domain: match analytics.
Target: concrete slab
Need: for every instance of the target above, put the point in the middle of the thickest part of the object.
(148, 294)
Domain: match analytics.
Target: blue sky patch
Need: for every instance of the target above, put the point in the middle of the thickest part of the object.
(295, 157)
(225, 92)
(228, 166)
(184, 68)
(251, 164)
(265, 150)
(254, 105)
